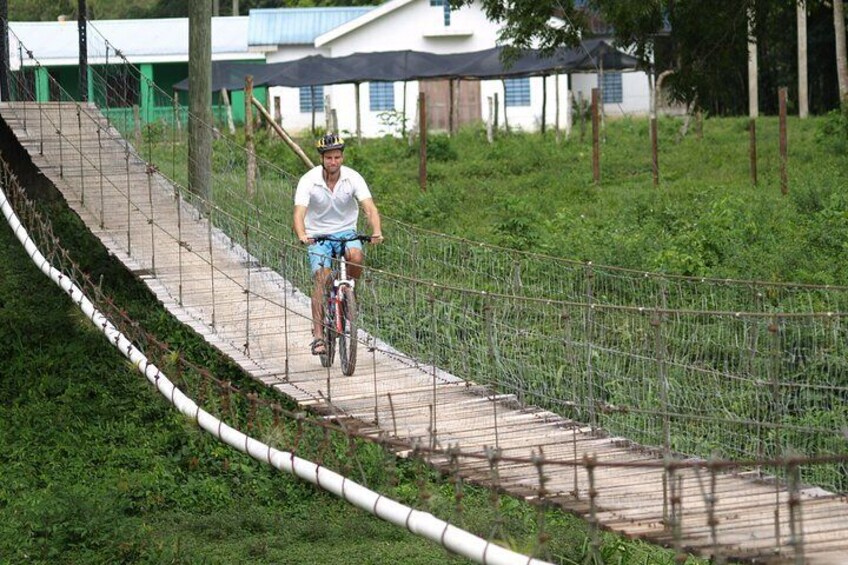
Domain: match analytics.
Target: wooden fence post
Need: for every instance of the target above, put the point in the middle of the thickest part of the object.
(784, 179)
(544, 102)
(278, 112)
(490, 136)
(596, 146)
(230, 123)
(250, 181)
(422, 134)
(655, 162)
(752, 148)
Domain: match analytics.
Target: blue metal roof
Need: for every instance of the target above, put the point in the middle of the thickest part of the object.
(296, 26)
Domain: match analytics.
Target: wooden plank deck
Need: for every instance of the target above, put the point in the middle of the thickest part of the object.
(181, 259)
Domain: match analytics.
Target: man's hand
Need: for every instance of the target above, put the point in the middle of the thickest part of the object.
(306, 240)
(376, 238)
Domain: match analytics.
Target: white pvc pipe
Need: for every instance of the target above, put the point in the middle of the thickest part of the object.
(421, 523)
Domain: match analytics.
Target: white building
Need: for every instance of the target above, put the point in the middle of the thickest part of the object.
(287, 34)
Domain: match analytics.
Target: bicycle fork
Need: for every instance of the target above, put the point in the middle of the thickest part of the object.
(336, 305)
(337, 300)
(338, 285)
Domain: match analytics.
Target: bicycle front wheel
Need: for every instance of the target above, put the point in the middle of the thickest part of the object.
(347, 336)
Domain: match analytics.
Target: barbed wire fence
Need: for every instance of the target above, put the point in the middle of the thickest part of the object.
(725, 373)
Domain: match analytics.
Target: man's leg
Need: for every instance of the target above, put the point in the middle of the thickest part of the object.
(321, 277)
(355, 257)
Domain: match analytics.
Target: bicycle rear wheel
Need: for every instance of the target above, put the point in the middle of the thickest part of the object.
(328, 332)
(347, 337)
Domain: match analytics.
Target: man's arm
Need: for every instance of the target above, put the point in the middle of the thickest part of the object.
(300, 224)
(373, 216)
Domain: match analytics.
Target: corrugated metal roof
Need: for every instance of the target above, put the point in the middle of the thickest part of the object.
(138, 40)
(297, 26)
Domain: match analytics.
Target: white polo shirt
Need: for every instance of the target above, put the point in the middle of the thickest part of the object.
(331, 211)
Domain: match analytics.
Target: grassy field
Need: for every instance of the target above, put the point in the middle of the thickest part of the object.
(705, 218)
(97, 468)
(530, 192)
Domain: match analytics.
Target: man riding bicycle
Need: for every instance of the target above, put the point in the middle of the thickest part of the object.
(327, 202)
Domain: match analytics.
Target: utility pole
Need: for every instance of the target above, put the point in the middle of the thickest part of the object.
(4, 54)
(82, 15)
(200, 98)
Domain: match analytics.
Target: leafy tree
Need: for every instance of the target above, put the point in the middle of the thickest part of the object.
(40, 10)
(527, 23)
(705, 47)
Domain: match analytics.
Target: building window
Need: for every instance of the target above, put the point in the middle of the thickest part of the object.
(445, 6)
(517, 91)
(382, 95)
(311, 98)
(611, 88)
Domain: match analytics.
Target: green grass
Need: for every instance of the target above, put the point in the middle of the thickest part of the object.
(528, 192)
(705, 218)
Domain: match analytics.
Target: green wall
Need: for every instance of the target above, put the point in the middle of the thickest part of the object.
(153, 84)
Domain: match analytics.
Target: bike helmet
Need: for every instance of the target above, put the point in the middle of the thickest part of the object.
(329, 142)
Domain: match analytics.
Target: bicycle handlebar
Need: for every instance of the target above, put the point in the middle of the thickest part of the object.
(358, 237)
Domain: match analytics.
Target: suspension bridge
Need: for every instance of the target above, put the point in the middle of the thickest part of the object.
(708, 416)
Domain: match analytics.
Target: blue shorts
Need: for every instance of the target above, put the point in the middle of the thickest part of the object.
(321, 254)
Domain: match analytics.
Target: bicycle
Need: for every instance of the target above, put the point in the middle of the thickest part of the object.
(340, 309)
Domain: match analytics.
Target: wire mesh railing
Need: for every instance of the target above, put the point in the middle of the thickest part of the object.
(745, 371)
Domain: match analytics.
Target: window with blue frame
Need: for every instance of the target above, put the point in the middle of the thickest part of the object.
(446, 6)
(611, 87)
(517, 91)
(382, 95)
(311, 96)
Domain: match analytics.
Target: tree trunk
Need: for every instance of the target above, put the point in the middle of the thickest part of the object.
(753, 93)
(235, 7)
(841, 57)
(225, 97)
(803, 94)
(200, 98)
